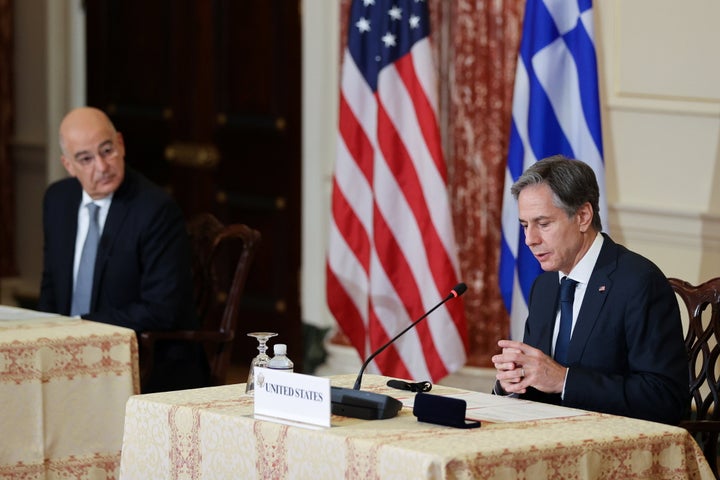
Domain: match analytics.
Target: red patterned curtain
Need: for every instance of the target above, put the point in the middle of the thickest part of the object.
(7, 176)
(483, 39)
(476, 44)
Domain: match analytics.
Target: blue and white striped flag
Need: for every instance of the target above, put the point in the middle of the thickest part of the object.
(556, 110)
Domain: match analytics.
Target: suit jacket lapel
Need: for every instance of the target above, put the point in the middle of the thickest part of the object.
(595, 295)
(68, 235)
(113, 223)
(547, 306)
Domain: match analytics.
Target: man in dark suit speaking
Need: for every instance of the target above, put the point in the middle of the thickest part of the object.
(603, 331)
(115, 247)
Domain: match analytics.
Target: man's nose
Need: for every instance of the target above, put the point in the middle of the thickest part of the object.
(101, 163)
(531, 236)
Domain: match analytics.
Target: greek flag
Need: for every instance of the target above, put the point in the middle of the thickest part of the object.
(556, 110)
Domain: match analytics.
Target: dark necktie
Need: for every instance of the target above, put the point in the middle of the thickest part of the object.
(84, 280)
(567, 295)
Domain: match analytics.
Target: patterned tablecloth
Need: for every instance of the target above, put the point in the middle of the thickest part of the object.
(210, 433)
(64, 384)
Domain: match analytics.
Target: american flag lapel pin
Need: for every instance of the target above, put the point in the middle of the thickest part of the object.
(602, 288)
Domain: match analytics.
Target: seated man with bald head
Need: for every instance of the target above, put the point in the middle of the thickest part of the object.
(135, 270)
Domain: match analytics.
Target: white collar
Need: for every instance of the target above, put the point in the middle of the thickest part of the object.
(101, 202)
(584, 268)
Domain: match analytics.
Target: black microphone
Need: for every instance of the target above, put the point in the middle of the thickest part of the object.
(351, 402)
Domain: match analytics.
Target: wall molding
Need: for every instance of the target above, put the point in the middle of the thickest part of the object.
(663, 104)
(687, 229)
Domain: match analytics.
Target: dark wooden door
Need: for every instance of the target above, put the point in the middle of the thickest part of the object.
(207, 96)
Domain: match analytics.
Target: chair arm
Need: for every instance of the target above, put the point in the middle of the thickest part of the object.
(696, 426)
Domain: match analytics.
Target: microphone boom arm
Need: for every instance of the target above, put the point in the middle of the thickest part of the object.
(455, 292)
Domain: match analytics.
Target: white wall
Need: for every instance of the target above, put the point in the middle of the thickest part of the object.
(320, 77)
(29, 144)
(49, 79)
(661, 79)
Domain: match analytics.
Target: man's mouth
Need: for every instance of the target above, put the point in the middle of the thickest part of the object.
(541, 256)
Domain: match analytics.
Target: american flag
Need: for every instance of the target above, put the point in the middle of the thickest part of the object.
(392, 252)
(556, 110)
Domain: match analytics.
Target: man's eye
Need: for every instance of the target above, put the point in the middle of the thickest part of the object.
(84, 160)
(105, 151)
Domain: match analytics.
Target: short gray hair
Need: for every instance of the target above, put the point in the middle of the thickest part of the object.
(572, 182)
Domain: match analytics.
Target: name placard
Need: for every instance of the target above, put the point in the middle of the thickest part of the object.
(292, 398)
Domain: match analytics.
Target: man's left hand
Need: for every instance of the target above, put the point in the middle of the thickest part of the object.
(537, 369)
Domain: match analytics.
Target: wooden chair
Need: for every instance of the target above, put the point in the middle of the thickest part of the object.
(701, 341)
(222, 256)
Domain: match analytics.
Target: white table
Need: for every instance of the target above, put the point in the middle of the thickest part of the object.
(64, 384)
(210, 433)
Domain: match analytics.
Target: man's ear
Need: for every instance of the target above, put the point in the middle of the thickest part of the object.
(585, 216)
